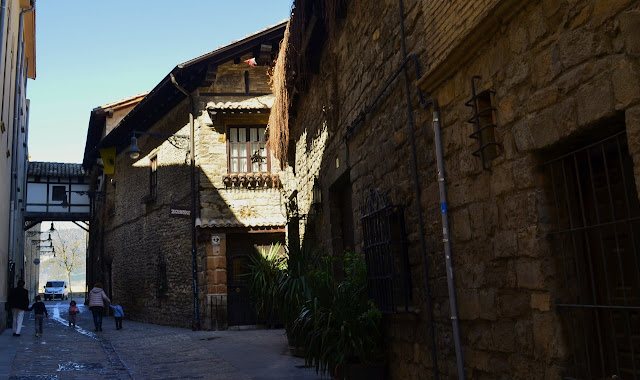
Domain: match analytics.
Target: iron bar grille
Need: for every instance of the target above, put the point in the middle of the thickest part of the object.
(596, 238)
(484, 121)
(385, 249)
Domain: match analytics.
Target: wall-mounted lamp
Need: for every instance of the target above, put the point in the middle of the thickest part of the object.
(316, 201)
(134, 151)
(36, 243)
(53, 250)
(178, 141)
(257, 157)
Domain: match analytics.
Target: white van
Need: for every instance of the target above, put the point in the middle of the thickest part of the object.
(56, 289)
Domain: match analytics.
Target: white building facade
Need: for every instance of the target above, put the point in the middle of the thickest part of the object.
(17, 63)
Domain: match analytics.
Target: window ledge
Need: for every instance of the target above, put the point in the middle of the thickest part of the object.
(251, 180)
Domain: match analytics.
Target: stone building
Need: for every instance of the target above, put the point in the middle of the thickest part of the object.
(162, 261)
(17, 63)
(507, 131)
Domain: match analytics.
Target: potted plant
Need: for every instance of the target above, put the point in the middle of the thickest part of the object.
(265, 272)
(226, 179)
(294, 291)
(339, 326)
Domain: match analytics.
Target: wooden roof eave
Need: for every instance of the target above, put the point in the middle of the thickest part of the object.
(30, 42)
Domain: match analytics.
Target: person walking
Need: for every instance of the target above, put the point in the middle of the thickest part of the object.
(18, 302)
(118, 314)
(73, 311)
(97, 300)
(39, 312)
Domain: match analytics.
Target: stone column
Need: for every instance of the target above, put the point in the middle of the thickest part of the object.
(216, 283)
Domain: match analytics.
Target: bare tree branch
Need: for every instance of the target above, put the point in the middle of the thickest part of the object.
(69, 251)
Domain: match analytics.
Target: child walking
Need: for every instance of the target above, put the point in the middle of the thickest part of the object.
(118, 314)
(39, 312)
(73, 311)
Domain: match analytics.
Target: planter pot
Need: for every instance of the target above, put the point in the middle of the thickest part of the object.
(356, 371)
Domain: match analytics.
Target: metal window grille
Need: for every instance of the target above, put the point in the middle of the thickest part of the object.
(597, 217)
(385, 249)
(484, 121)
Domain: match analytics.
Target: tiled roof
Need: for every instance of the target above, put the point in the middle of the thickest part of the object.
(263, 102)
(122, 101)
(58, 169)
(217, 50)
(249, 222)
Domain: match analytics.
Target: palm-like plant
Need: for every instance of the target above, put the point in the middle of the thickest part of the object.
(294, 289)
(265, 273)
(339, 324)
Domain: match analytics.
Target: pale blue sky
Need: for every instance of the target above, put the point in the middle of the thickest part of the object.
(93, 52)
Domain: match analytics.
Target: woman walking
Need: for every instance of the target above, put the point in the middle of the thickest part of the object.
(97, 300)
(18, 302)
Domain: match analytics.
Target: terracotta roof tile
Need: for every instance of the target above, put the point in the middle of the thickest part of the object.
(264, 102)
(249, 222)
(58, 169)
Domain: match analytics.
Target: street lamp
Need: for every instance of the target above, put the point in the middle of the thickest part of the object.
(53, 250)
(176, 141)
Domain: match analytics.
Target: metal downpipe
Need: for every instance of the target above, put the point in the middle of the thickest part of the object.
(196, 312)
(3, 15)
(451, 284)
(418, 200)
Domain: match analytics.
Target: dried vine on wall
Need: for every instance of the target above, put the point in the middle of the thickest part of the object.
(291, 69)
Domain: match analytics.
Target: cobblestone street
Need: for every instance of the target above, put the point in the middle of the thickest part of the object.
(142, 351)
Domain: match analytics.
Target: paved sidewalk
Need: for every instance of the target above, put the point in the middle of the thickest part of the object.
(143, 351)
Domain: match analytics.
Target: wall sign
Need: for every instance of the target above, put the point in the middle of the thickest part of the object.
(180, 211)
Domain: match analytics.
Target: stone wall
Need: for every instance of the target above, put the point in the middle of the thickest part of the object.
(144, 247)
(558, 69)
(230, 78)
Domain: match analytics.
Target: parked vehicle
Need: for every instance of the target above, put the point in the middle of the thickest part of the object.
(56, 289)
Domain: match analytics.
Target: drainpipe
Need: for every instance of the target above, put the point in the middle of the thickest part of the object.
(418, 201)
(196, 315)
(3, 14)
(451, 284)
(16, 134)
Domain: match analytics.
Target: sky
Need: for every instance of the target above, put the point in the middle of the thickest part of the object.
(93, 52)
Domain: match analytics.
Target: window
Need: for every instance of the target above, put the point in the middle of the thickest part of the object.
(58, 193)
(596, 239)
(153, 177)
(246, 149)
(385, 249)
